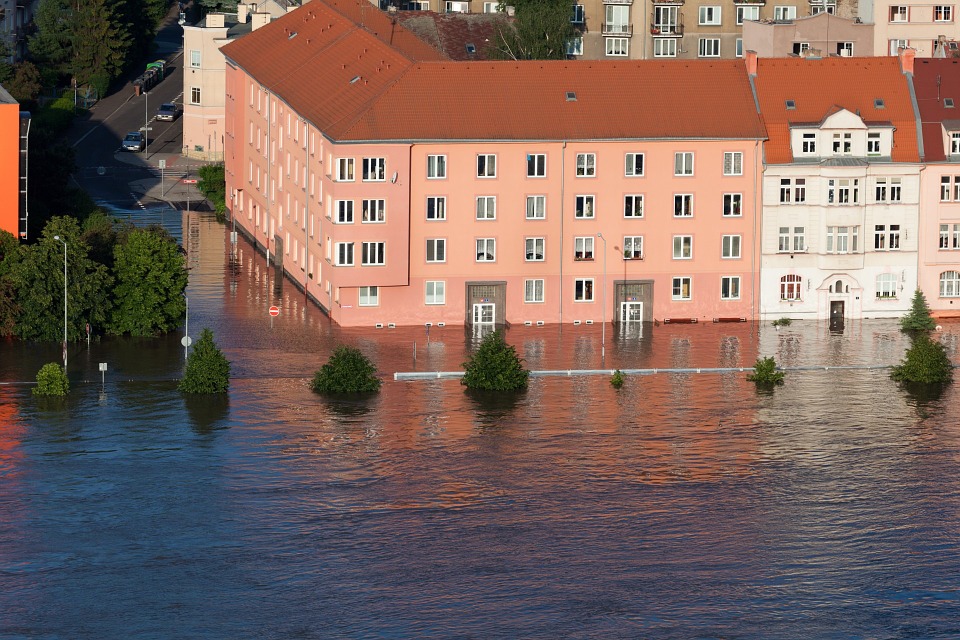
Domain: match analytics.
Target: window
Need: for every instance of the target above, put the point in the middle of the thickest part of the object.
(950, 236)
(617, 46)
(683, 163)
(344, 254)
(486, 249)
(842, 239)
(793, 190)
(681, 288)
(843, 191)
(733, 163)
(791, 242)
(575, 46)
(345, 211)
(884, 238)
(583, 290)
(790, 287)
(583, 248)
(344, 169)
(954, 142)
(584, 207)
(665, 47)
(633, 206)
(486, 208)
(739, 48)
(534, 249)
(536, 207)
(586, 165)
(943, 13)
(949, 284)
(889, 189)
(897, 45)
(732, 204)
(487, 165)
(730, 247)
(809, 143)
(886, 285)
(633, 247)
(436, 167)
(842, 143)
(577, 17)
(436, 292)
(536, 165)
(195, 58)
(373, 253)
(709, 15)
(682, 247)
(747, 13)
(730, 287)
(436, 208)
(194, 95)
(784, 13)
(369, 296)
(873, 144)
(800, 47)
(845, 49)
(533, 290)
(683, 205)
(374, 169)
(899, 13)
(665, 20)
(436, 250)
(946, 194)
(634, 165)
(709, 48)
(374, 211)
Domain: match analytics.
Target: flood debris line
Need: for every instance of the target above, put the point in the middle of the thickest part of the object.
(434, 375)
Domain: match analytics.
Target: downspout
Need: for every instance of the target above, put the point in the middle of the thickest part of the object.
(757, 230)
(563, 165)
(922, 155)
(306, 211)
(266, 222)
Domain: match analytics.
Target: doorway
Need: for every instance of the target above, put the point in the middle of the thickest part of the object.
(486, 303)
(484, 313)
(631, 312)
(836, 314)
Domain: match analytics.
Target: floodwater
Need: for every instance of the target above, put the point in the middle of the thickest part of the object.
(681, 506)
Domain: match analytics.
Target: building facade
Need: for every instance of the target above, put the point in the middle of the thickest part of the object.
(900, 24)
(14, 134)
(820, 35)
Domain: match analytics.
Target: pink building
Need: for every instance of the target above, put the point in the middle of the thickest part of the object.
(398, 187)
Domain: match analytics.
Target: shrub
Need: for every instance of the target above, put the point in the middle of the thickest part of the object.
(51, 381)
(617, 379)
(347, 371)
(495, 367)
(765, 373)
(918, 318)
(925, 362)
(208, 371)
(782, 322)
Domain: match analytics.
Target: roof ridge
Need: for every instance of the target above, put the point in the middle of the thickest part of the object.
(360, 113)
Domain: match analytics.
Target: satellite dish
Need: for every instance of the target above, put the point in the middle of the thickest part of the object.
(393, 178)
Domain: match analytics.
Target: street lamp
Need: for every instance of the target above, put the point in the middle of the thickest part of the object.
(63, 242)
(146, 118)
(603, 322)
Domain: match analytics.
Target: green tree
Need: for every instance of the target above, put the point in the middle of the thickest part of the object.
(25, 85)
(225, 6)
(38, 278)
(347, 371)
(540, 30)
(51, 381)
(100, 233)
(150, 276)
(918, 318)
(9, 256)
(102, 43)
(52, 43)
(213, 186)
(765, 373)
(208, 370)
(925, 362)
(495, 366)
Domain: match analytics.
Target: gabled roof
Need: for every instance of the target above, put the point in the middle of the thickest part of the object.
(934, 80)
(819, 86)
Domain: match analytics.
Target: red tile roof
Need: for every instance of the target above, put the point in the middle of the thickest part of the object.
(818, 86)
(451, 33)
(935, 79)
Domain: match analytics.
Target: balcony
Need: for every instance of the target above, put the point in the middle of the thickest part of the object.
(618, 2)
(750, 2)
(610, 29)
(675, 2)
(666, 29)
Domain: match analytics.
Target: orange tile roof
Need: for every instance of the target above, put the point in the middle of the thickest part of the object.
(935, 79)
(819, 85)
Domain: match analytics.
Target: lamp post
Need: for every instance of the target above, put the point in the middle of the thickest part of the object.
(146, 118)
(603, 321)
(63, 242)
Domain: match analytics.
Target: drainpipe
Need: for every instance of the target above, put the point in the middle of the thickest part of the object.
(269, 198)
(306, 210)
(563, 165)
(757, 230)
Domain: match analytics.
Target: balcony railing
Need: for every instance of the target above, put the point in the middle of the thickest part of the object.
(617, 1)
(617, 29)
(666, 30)
(667, 1)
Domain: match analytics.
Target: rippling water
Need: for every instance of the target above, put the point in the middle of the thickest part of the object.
(680, 506)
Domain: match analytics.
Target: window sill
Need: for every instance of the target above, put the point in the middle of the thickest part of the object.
(583, 259)
(632, 258)
(887, 299)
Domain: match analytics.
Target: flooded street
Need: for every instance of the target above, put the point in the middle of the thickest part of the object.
(680, 506)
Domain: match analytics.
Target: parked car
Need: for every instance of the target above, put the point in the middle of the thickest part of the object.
(134, 141)
(168, 111)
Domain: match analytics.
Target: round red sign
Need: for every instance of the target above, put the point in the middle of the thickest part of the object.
(274, 311)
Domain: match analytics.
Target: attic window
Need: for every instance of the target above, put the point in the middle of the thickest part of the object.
(471, 48)
(355, 79)
(878, 103)
(948, 103)
(571, 96)
(293, 34)
(791, 104)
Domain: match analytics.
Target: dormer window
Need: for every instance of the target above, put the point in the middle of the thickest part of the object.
(955, 143)
(948, 103)
(843, 143)
(873, 144)
(809, 143)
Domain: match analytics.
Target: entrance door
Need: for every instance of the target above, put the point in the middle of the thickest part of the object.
(484, 313)
(836, 314)
(631, 312)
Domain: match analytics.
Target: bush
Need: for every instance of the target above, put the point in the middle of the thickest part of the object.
(208, 371)
(925, 362)
(782, 322)
(347, 371)
(617, 379)
(765, 373)
(918, 318)
(51, 381)
(495, 367)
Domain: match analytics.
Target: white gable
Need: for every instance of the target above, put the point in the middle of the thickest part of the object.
(843, 119)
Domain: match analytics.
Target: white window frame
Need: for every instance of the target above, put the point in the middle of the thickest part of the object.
(665, 47)
(435, 292)
(486, 165)
(373, 211)
(344, 254)
(729, 287)
(583, 248)
(617, 47)
(345, 170)
(368, 296)
(873, 143)
(630, 162)
(683, 247)
(373, 254)
(710, 15)
(683, 205)
(843, 239)
(633, 247)
(575, 46)
(486, 208)
(536, 207)
(438, 248)
(683, 163)
(436, 167)
(374, 170)
(583, 290)
(732, 205)
(954, 142)
(731, 246)
(633, 206)
(743, 10)
(531, 246)
(533, 291)
(678, 285)
(345, 212)
(943, 13)
(486, 249)
(536, 165)
(808, 144)
(439, 206)
(195, 61)
(585, 207)
(733, 163)
(791, 288)
(586, 165)
(899, 13)
(784, 12)
(949, 284)
(195, 95)
(708, 48)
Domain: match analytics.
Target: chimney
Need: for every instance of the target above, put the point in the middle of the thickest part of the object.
(751, 60)
(906, 59)
(260, 20)
(214, 20)
(243, 12)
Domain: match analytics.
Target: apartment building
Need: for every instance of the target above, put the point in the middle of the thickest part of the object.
(16, 17)
(929, 28)
(14, 133)
(519, 193)
(820, 35)
(841, 189)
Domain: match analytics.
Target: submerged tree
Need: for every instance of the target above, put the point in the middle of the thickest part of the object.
(765, 373)
(347, 371)
(208, 370)
(495, 366)
(925, 362)
(918, 318)
(51, 381)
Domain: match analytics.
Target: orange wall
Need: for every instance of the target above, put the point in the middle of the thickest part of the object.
(9, 167)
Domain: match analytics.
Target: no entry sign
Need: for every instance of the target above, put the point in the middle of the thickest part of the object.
(274, 311)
